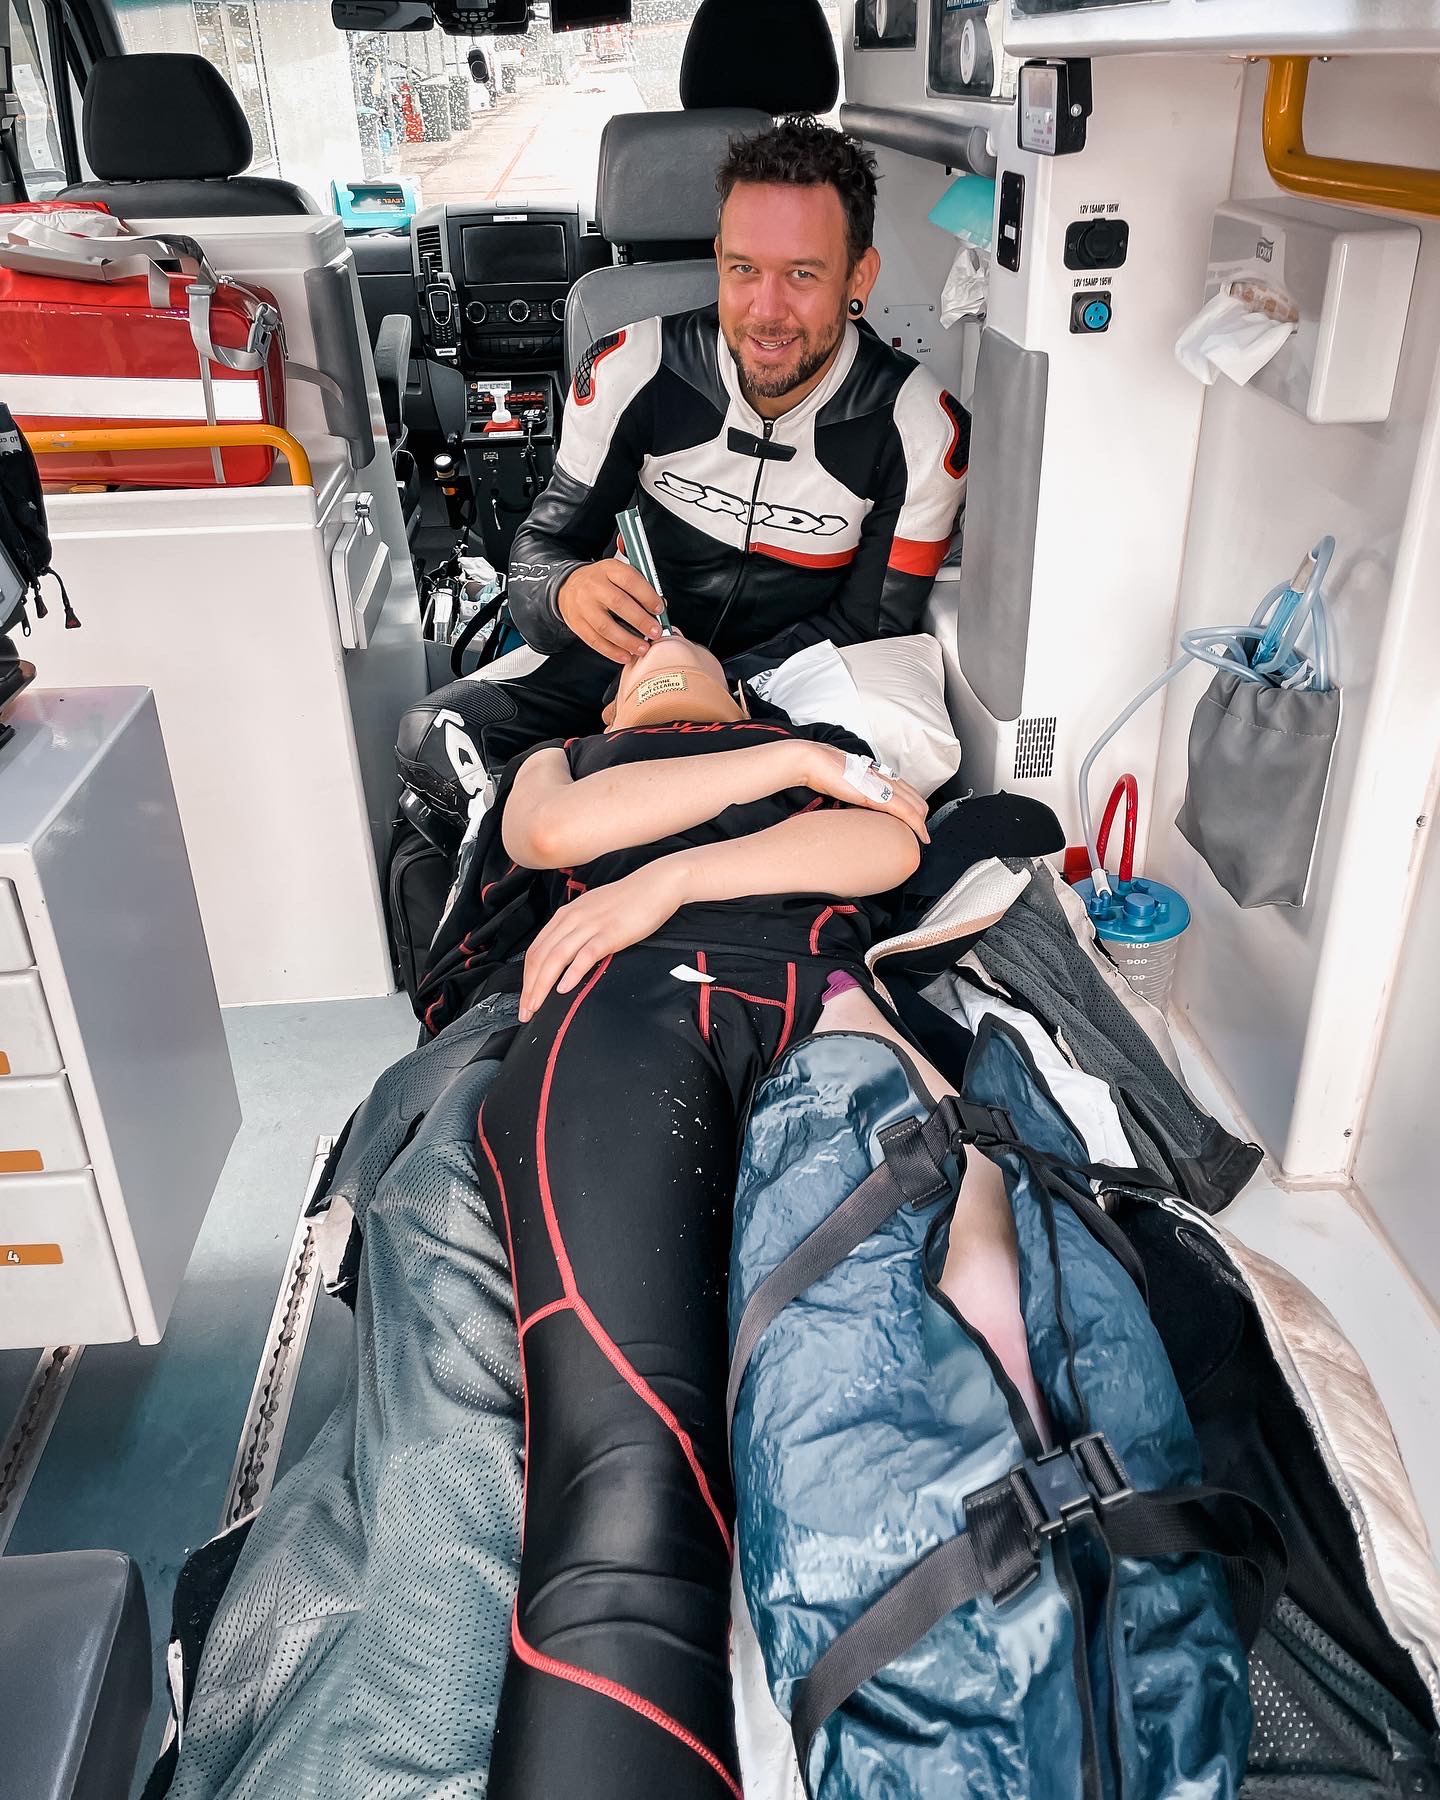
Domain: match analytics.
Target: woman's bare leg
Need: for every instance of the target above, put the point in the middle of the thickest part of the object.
(982, 1270)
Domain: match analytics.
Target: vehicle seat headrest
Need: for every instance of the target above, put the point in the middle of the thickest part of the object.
(777, 55)
(162, 117)
(656, 180)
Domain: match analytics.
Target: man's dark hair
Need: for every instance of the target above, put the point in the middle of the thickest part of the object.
(801, 152)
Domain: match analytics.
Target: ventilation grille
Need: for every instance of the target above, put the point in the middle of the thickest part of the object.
(427, 243)
(1035, 748)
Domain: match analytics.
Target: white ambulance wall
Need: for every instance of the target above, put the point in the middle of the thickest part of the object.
(1394, 1166)
(915, 258)
(1287, 1001)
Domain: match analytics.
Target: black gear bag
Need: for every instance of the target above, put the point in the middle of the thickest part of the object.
(24, 535)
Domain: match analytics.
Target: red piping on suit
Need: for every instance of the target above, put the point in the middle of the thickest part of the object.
(536, 1659)
(606, 1345)
(623, 1696)
(544, 1312)
(822, 920)
(787, 1005)
(514, 869)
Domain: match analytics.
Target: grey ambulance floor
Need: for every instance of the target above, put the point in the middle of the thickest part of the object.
(141, 1453)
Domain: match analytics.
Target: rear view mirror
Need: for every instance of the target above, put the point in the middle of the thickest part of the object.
(578, 15)
(381, 15)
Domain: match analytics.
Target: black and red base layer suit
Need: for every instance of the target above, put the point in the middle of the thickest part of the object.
(608, 1151)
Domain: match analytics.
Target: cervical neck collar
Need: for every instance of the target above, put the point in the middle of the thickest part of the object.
(673, 696)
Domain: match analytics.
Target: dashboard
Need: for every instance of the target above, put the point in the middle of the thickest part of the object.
(492, 282)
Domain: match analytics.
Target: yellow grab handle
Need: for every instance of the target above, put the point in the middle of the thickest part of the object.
(1390, 186)
(178, 437)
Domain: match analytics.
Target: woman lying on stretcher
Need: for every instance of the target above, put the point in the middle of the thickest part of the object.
(692, 891)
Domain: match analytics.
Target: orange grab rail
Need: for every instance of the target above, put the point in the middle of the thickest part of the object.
(178, 437)
(1389, 186)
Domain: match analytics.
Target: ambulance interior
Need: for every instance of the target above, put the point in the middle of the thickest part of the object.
(201, 791)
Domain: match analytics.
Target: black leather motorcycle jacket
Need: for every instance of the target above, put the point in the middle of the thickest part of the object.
(768, 535)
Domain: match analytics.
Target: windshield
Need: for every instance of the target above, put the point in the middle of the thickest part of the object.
(482, 119)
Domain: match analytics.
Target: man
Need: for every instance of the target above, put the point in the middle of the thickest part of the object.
(798, 478)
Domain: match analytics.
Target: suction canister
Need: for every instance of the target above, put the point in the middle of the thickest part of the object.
(1139, 923)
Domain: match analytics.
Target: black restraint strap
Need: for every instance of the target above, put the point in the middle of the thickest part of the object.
(912, 1173)
(1217, 1522)
(999, 1555)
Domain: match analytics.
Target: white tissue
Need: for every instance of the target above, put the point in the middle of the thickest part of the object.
(963, 296)
(1226, 338)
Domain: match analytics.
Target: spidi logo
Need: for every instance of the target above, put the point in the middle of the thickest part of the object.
(717, 500)
(1265, 249)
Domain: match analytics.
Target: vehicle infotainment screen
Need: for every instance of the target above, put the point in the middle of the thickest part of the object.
(495, 255)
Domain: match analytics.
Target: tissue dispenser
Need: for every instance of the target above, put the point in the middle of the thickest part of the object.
(1350, 280)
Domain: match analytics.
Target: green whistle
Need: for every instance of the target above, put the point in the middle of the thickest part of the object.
(637, 554)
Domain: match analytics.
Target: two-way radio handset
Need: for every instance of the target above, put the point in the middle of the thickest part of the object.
(442, 317)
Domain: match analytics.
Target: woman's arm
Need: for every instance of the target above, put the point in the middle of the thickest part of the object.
(845, 854)
(555, 822)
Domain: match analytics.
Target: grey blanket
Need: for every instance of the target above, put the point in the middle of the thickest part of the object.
(360, 1644)
(1033, 956)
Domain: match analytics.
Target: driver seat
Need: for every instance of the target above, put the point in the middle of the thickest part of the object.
(167, 140)
(655, 203)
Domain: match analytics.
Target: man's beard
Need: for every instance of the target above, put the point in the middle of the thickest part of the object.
(774, 384)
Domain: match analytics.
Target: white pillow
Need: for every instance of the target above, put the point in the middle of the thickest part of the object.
(891, 692)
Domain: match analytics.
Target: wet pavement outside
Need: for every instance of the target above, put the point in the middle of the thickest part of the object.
(539, 145)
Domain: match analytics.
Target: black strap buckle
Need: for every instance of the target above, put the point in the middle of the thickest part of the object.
(1009, 1522)
(974, 1122)
(1059, 1489)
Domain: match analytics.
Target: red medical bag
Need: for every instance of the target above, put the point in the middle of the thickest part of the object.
(100, 331)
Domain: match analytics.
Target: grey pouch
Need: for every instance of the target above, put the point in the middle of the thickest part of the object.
(1259, 762)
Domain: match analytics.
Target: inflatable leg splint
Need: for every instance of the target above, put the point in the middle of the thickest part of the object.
(943, 1605)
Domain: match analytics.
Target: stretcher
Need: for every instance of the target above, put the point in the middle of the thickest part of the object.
(337, 1629)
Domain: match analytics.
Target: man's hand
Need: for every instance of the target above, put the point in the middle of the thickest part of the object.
(611, 607)
(824, 770)
(588, 929)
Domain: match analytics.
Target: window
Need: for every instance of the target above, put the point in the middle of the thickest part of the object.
(521, 121)
(529, 129)
(37, 137)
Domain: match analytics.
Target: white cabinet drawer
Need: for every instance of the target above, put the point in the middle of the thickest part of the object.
(14, 940)
(38, 1127)
(27, 1038)
(59, 1283)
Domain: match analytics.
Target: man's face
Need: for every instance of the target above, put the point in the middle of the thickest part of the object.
(785, 287)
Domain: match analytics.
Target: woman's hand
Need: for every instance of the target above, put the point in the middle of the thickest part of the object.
(826, 771)
(597, 924)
